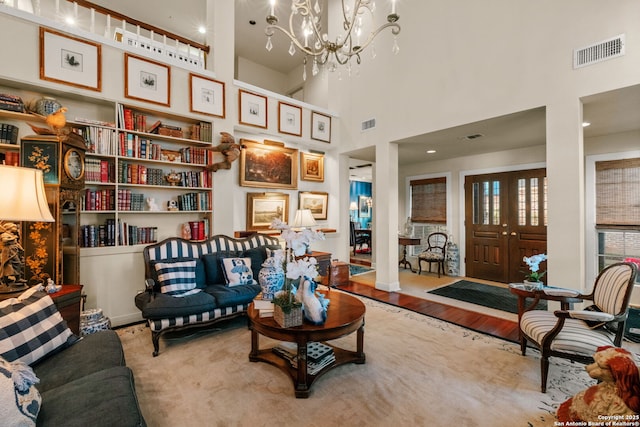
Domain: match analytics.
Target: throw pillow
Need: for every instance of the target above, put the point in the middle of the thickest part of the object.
(237, 271)
(201, 279)
(20, 399)
(213, 266)
(31, 327)
(177, 278)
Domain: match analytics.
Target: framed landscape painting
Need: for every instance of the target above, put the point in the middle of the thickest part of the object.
(316, 201)
(70, 60)
(268, 165)
(262, 208)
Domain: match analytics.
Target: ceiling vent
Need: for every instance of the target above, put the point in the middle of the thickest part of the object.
(607, 49)
(473, 136)
(368, 124)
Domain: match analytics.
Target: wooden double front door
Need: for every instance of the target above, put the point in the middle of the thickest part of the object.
(505, 220)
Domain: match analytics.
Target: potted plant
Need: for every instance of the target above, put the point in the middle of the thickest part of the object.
(534, 276)
(287, 309)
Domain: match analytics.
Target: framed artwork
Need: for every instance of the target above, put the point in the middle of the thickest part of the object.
(70, 60)
(316, 201)
(262, 208)
(289, 119)
(268, 166)
(147, 80)
(312, 167)
(320, 127)
(206, 96)
(364, 210)
(41, 154)
(253, 109)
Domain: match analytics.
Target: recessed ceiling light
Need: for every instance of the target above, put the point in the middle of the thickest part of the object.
(202, 29)
(431, 151)
(585, 124)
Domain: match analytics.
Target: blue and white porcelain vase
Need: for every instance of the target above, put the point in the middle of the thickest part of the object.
(271, 279)
(314, 305)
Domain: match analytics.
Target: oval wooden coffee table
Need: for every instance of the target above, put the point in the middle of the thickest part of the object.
(344, 316)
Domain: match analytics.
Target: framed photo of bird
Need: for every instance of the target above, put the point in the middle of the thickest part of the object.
(70, 60)
(147, 80)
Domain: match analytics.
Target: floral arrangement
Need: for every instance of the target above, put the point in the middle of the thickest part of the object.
(534, 267)
(295, 269)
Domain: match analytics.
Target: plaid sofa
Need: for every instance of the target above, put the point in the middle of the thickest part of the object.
(194, 274)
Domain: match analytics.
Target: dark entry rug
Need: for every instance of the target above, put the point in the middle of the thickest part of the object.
(358, 269)
(485, 295)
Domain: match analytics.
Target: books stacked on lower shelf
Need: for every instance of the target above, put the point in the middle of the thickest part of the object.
(264, 306)
(319, 355)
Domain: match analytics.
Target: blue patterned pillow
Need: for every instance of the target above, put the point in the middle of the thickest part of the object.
(31, 327)
(237, 271)
(177, 278)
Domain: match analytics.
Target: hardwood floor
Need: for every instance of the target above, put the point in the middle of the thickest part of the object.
(490, 325)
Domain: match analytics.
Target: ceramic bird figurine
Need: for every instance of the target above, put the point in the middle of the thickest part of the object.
(56, 122)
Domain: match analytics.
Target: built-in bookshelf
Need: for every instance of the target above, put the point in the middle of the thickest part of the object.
(141, 168)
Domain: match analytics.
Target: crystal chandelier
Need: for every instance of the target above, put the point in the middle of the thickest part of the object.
(307, 35)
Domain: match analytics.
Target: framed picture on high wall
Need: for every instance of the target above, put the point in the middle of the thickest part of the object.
(69, 60)
(316, 201)
(253, 109)
(268, 165)
(320, 127)
(206, 96)
(289, 119)
(262, 208)
(147, 80)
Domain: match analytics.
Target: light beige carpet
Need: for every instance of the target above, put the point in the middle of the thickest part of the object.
(420, 371)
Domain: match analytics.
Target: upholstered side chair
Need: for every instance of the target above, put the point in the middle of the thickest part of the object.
(577, 334)
(435, 253)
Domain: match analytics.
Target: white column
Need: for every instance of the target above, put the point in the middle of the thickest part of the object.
(565, 177)
(385, 217)
(228, 205)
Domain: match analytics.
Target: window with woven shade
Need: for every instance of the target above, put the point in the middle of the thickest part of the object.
(429, 200)
(618, 193)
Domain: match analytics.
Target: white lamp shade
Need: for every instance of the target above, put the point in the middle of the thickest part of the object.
(303, 218)
(353, 206)
(23, 197)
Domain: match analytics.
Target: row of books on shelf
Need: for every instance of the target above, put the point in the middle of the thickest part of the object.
(129, 119)
(194, 202)
(199, 229)
(105, 200)
(94, 236)
(139, 147)
(8, 133)
(98, 140)
(99, 170)
(10, 158)
(319, 355)
(133, 173)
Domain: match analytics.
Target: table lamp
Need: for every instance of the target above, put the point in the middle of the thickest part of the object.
(303, 219)
(23, 199)
(353, 207)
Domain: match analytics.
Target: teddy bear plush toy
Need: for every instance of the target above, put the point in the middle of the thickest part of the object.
(617, 393)
(229, 149)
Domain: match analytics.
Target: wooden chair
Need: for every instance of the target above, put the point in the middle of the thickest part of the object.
(577, 334)
(359, 238)
(436, 252)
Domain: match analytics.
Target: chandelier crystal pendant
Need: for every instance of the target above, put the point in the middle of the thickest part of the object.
(307, 35)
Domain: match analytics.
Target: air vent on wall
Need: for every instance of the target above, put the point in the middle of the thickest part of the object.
(368, 124)
(599, 52)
